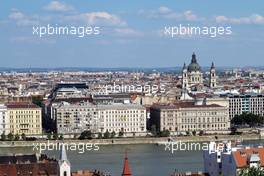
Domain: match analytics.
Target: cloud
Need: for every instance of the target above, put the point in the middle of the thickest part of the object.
(21, 19)
(253, 19)
(128, 32)
(167, 13)
(96, 18)
(58, 6)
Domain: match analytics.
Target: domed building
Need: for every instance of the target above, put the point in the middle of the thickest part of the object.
(192, 76)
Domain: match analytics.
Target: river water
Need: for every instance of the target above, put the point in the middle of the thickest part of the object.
(144, 159)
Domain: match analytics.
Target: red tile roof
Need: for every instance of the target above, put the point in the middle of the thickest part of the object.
(241, 156)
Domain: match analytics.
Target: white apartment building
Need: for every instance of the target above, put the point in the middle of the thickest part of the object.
(246, 103)
(76, 118)
(128, 118)
(4, 120)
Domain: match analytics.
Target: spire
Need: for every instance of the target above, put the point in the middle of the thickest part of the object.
(63, 154)
(126, 169)
(194, 58)
(184, 66)
(212, 66)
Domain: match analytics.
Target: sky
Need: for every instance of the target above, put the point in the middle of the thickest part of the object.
(131, 33)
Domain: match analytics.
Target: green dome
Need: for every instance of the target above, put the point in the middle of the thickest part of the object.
(194, 66)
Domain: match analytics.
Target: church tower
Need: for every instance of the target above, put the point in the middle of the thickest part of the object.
(64, 164)
(212, 80)
(184, 77)
(126, 169)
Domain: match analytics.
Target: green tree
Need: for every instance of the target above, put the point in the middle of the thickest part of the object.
(49, 136)
(121, 134)
(23, 136)
(100, 136)
(165, 133)
(86, 135)
(17, 137)
(113, 134)
(55, 136)
(61, 137)
(247, 119)
(107, 134)
(251, 171)
(194, 133)
(3, 136)
(154, 130)
(10, 137)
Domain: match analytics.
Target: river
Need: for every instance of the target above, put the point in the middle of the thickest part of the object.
(144, 159)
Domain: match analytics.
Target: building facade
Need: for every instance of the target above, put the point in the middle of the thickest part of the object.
(246, 103)
(127, 118)
(4, 120)
(76, 118)
(25, 118)
(190, 116)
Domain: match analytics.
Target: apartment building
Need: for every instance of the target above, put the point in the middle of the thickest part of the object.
(4, 120)
(128, 118)
(24, 118)
(190, 116)
(246, 103)
(76, 118)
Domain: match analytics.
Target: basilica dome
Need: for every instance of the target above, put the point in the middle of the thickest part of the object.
(194, 66)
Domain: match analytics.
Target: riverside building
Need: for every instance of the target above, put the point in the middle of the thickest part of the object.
(25, 118)
(185, 116)
(76, 118)
(4, 120)
(246, 103)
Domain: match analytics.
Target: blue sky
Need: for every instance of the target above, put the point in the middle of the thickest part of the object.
(131, 33)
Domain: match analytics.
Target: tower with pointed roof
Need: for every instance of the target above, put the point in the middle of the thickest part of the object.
(212, 79)
(126, 168)
(64, 163)
(184, 77)
(192, 75)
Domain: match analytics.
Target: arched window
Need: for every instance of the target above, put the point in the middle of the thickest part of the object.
(65, 173)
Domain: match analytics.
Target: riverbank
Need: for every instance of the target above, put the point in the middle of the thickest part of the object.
(127, 141)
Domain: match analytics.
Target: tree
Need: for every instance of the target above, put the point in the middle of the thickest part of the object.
(121, 134)
(154, 130)
(10, 136)
(17, 137)
(49, 136)
(100, 136)
(247, 119)
(201, 133)
(55, 136)
(61, 137)
(251, 171)
(23, 136)
(86, 135)
(106, 134)
(113, 134)
(3, 136)
(165, 133)
(194, 133)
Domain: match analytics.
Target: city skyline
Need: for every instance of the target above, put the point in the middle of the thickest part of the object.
(131, 34)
